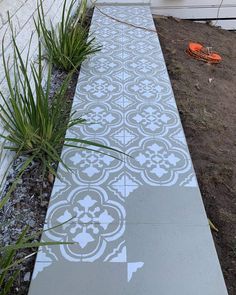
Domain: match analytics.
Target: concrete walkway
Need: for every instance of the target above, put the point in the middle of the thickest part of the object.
(139, 225)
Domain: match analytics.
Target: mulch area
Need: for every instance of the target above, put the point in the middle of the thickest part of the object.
(206, 98)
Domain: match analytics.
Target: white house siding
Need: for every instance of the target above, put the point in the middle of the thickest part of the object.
(200, 9)
(191, 9)
(21, 13)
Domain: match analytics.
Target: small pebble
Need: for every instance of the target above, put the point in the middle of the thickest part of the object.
(27, 277)
(31, 223)
(44, 203)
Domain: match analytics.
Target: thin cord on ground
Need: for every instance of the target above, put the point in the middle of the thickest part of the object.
(124, 22)
(132, 25)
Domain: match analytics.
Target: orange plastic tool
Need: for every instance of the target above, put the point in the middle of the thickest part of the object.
(198, 51)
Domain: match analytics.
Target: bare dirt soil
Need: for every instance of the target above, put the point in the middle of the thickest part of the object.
(206, 98)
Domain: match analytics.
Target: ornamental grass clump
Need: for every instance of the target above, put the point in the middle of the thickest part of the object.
(66, 44)
(35, 122)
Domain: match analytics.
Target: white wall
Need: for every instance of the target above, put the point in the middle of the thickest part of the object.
(197, 9)
(22, 13)
(191, 9)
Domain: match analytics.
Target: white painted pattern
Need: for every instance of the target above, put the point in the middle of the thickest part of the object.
(126, 94)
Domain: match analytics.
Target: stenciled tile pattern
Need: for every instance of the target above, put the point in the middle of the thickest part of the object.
(105, 204)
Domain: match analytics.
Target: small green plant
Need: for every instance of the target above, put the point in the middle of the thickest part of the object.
(35, 122)
(9, 263)
(66, 44)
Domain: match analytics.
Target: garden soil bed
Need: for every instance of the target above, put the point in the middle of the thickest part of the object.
(206, 99)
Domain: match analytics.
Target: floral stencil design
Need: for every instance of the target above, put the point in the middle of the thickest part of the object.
(92, 223)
